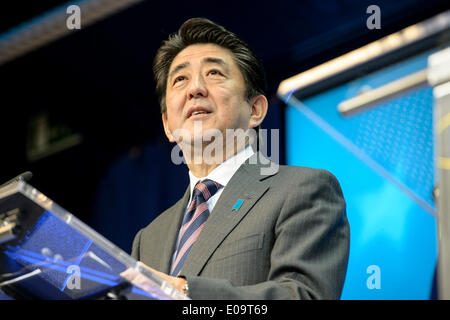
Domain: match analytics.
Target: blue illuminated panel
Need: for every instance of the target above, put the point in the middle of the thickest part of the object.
(383, 158)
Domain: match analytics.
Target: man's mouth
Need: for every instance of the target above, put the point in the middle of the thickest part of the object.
(198, 111)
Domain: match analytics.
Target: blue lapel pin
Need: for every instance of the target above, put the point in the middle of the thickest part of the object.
(237, 205)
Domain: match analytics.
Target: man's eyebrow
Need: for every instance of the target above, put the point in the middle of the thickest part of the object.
(183, 65)
(178, 68)
(215, 60)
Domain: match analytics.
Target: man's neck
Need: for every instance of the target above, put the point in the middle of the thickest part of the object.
(203, 167)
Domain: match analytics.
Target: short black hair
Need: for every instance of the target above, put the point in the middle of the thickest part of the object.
(201, 30)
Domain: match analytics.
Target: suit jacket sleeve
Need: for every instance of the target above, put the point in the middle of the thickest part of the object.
(310, 252)
(136, 245)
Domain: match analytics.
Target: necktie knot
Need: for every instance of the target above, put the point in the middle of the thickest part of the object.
(205, 189)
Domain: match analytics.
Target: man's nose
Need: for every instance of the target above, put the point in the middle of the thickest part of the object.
(197, 88)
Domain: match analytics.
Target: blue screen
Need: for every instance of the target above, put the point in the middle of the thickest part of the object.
(383, 158)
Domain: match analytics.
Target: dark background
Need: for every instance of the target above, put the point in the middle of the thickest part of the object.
(97, 82)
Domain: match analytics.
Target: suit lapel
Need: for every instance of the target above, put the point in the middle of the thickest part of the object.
(177, 212)
(246, 184)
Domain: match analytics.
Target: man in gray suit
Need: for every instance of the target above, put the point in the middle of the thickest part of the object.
(239, 232)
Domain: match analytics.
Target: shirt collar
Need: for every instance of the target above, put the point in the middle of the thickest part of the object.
(223, 173)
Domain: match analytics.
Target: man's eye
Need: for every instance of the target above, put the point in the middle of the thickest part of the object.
(178, 79)
(214, 72)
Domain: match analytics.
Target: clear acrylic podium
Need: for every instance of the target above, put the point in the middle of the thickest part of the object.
(47, 253)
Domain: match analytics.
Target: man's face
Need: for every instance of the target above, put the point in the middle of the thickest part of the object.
(205, 86)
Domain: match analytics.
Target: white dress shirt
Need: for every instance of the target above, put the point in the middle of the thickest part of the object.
(222, 174)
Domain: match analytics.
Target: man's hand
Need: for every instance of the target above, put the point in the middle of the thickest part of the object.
(141, 281)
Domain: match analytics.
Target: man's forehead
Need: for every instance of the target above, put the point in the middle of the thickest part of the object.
(202, 53)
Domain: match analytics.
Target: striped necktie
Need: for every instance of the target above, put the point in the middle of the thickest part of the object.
(193, 222)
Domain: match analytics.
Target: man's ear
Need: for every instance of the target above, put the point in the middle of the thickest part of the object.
(166, 127)
(259, 107)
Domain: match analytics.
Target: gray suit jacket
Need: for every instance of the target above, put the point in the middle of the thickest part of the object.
(288, 240)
